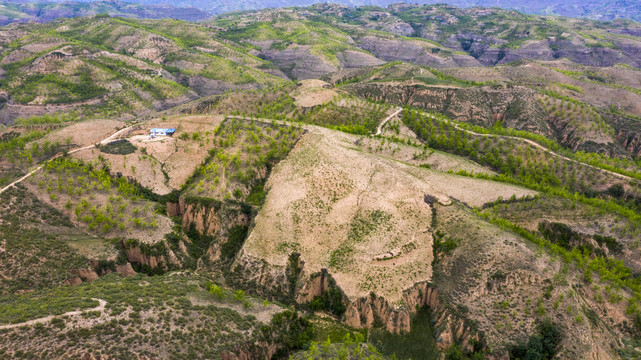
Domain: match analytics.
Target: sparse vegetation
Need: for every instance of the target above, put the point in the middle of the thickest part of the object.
(457, 236)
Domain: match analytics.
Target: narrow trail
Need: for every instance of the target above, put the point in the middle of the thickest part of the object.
(107, 140)
(537, 145)
(379, 129)
(100, 307)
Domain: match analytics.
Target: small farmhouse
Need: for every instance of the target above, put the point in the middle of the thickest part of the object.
(161, 132)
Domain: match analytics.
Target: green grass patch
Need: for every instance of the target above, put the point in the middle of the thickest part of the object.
(21, 308)
(119, 147)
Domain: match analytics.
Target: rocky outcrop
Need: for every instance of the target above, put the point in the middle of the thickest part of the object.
(203, 218)
(173, 209)
(628, 134)
(566, 135)
(207, 217)
(136, 255)
(260, 277)
(149, 257)
(81, 275)
(85, 274)
(449, 327)
(125, 270)
(366, 312)
(373, 310)
(73, 281)
(316, 286)
(631, 141)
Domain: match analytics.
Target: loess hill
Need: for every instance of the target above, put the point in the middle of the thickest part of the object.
(410, 182)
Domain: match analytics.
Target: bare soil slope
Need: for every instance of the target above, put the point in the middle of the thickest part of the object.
(340, 209)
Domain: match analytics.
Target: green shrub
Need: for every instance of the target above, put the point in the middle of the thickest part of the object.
(217, 291)
(119, 147)
(541, 345)
(331, 300)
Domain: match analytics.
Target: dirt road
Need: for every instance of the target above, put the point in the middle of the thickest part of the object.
(107, 140)
(379, 129)
(100, 307)
(537, 145)
(531, 142)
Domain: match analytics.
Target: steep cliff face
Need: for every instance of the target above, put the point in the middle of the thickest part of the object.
(631, 141)
(155, 257)
(449, 327)
(217, 228)
(628, 133)
(366, 312)
(373, 310)
(136, 255)
(201, 217)
(260, 277)
(208, 218)
(314, 287)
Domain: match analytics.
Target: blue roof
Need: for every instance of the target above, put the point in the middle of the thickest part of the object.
(163, 130)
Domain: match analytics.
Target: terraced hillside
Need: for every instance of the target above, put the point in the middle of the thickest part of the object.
(445, 36)
(119, 68)
(566, 106)
(332, 188)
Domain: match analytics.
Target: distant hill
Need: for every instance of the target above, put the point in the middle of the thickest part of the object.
(48, 11)
(22, 11)
(593, 9)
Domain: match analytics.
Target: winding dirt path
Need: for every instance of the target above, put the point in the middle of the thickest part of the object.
(528, 141)
(100, 307)
(107, 140)
(537, 145)
(379, 129)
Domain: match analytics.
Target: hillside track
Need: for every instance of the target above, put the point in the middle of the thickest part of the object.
(100, 307)
(379, 129)
(107, 140)
(537, 145)
(528, 141)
